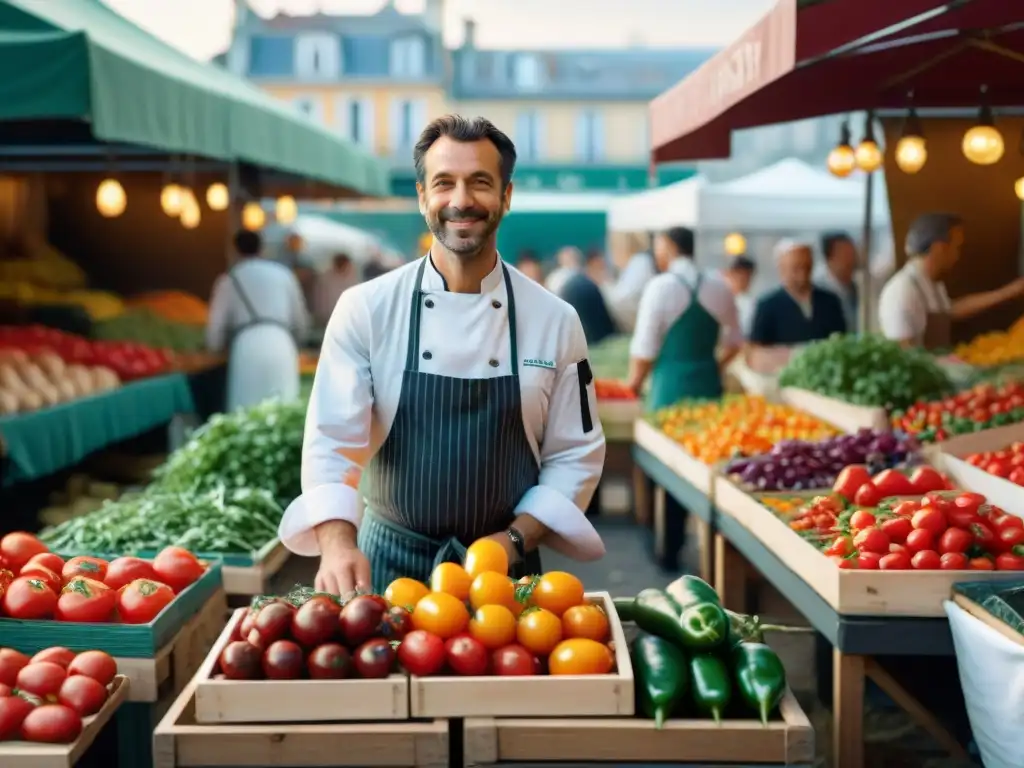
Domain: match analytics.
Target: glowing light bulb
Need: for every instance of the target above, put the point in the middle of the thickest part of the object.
(868, 156)
(253, 217)
(217, 197)
(735, 244)
(911, 154)
(286, 210)
(111, 199)
(842, 161)
(983, 145)
(170, 199)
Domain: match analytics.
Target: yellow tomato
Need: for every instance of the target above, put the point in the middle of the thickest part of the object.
(451, 578)
(585, 621)
(491, 588)
(581, 657)
(486, 555)
(441, 614)
(539, 631)
(494, 626)
(405, 592)
(557, 592)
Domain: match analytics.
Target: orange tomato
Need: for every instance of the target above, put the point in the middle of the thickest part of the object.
(486, 556)
(451, 578)
(539, 631)
(441, 614)
(491, 588)
(406, 592)
(581, 656)
(585, 621)
(558, 592)
(494, 626)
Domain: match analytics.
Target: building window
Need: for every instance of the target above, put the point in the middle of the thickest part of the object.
(589, 136)
(528, 72)
(310, 106)
(317, 56)
(355, 120)
(408, 117)
(529, 135)
(408, 57)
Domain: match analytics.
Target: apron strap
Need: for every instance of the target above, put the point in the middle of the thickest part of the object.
(513, 342)
(253, 315)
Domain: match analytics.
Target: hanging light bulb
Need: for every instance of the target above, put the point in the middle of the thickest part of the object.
(111, 199)
(170, 199)
(735, 244)
(253, 217)
(191, 215)
(842, 160)
(983, 143)
(911, 152)
(868, 156)
(217, 197)
(286, 210)
(1018, 188)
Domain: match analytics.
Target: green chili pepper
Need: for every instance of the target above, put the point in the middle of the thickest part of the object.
(661, 676)
(710, 687)
(625, 607)
(690, 590)
(760, 677)
(657, 613)
(704, 626)
(701, 625)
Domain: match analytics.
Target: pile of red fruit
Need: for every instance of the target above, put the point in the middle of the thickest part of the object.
(127, 359)
(856, 484)
(1007, 463)
(610, 389)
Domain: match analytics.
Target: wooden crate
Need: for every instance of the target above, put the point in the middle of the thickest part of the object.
(271, 701)
(948, 457)
(20, 754)
(253, 577)
(846, 416)
(541, 696)
(990, 621)
(672, 455)
(180, 741)
(177, 661)
(586, 741)
(850, 592)
(617, 417)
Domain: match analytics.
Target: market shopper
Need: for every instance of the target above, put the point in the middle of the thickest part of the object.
(569, 261)
(330, 285)
(738, 275)
(530, 265)
(837, 273)
(914, 307)
(459, 385)
(258, 316)
(583, 293)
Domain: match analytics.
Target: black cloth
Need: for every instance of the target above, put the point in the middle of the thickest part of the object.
(584, 295)
(780, 321)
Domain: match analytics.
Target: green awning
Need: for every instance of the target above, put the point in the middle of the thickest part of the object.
(78, 59)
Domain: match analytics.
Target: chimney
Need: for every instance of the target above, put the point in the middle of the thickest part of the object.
(433, 15)
(468, 33)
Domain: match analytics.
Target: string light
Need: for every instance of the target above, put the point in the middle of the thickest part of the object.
(842, 160)
(111, 199)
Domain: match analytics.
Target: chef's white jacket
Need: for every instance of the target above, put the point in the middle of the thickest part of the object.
(359, 381)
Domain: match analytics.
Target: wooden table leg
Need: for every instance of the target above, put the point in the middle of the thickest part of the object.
(659, 522)
(641, 497)
(847, 710)
(706, 549)
(730, 575)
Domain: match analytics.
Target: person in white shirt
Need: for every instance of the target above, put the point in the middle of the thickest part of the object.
(258, 315)
(914, 308)
(529, 265)
(624, 296)
(329, 286)
(837, 273)
(738, 275)
(569, 261)
(453, 398)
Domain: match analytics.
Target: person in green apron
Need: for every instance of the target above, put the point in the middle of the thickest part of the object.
(682, 319)
(441, 412)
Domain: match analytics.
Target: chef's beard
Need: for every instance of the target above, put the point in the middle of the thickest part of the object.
(465, 246)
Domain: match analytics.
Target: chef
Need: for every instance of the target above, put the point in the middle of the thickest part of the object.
(453, 398)
(914, 307)
(258, 315)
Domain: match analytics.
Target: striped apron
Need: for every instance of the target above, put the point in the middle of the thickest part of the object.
(453, 467)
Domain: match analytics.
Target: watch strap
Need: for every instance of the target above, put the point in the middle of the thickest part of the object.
(518, 542)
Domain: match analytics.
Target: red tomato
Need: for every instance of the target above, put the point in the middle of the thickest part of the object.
(1009, 538)
(891, 482)
(984, 536)
(969, 500)
(1017, 476)
(1004, 521)
(862, 519)
(953, 561)
(513, 660)
(19, 547)
(961, 517)
(1009, 561)
(86, 600)
(840, 547)
(42, 678)
(11, 662)
(283, 660)
(467, 656)
(955, 540)
(142, 601)
(929, 519)
(871, 540)
(49, 577)
(844, 563)
(330, 661)
(920, 539)
(981, 564)
(13, 711)
(48, 560)
(178, 568)
(125, 570)
(90, 567)
(58, 654)
(998, 468)
(925, 479)
(27, 598)
(906, 508)
(422, 653)
(850, 480)
(241, 661)
(98, 665)
(868, 561)
(867, 496)
(894, 561)
(51, 724)
(82, 694)
(926, 560)
(897, 529)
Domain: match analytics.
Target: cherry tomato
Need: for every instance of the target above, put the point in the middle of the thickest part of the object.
(868, 496)
(925, 479)
(984, 536)
(862, 519)
(920, 539)
(850, 480)
(93, 568)
(981, 564)
(142, 600)
(894, 561)
(467, 656)
(539, 631)
(840, 547)
(868, 561)
(581, 657)
(1004, 522)
(177, 568)
(82, 694)
(955, 540)
(1010, 537)
(969, 501)
(585, 621)
(844, 563)
(98, 665)
(1009, 561)
(926, 560)
(557, 592)
(494, 626)
(872, 540)
(18, 548)
(513, 661)
(930, 519)
(906, 508)
(953, 561)
(58, 654)
(963, 518)
(86, 600)
(28, 598)
(422, 653)
(897, 529)
(442, 614)
(125, 570)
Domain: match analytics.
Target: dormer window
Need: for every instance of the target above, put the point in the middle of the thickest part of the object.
(317, 56)
(408, 57)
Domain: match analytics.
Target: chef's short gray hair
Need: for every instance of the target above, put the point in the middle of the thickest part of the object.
(928, 229)
(788, 244)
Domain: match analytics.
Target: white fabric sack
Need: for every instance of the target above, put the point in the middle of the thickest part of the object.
(992, 676)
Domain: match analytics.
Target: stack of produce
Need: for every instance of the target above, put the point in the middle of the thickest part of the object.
(308, 362)
(996, 348)
(36, 584)
(981, 407)
(175, 306)
(42, 379)
(143, 326)
(693, 657)
(610, 358)
(1007, 462)
(99, 305)
(610, 389)
(796, 465)
(737, 426)
(39, 265)
(866, 370)
(45, 698)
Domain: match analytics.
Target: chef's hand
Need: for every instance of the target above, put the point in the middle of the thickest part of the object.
(343, 568)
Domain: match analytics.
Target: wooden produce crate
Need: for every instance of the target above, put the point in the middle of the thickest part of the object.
(540, 696)
(272, 701)
(175, 664)
(587, 741)
(671, 454)
(617, 417)
(180, 740)
(22, 754)
(949, 457)
(850, 592)
(251, 574)
(846, 416)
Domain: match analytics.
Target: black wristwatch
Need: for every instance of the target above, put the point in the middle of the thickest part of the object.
(518, 542)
